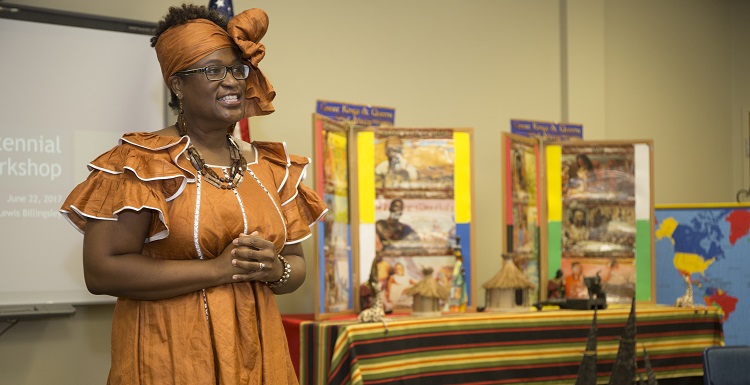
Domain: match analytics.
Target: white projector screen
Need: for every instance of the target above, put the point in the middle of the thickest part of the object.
(66, 95)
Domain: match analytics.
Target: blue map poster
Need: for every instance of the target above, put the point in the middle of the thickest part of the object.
(710, 245)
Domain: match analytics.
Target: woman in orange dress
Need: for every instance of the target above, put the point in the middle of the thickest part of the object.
(193, 231)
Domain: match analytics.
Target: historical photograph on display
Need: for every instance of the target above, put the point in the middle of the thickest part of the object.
(335, 162)
(416, 162)
(593, 229)
(337, 272)
(524, 229)
(337, 288)
(617, 277)
(598, 172)
(523, 171)
(414, 226)
(396, 274)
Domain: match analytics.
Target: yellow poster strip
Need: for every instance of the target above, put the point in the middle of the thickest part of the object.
(366, 176)
(554, 183)
(462, 176)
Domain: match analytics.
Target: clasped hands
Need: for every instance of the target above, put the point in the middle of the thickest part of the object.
(255, 258)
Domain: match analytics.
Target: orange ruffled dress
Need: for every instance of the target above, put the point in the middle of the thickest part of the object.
(230, 334)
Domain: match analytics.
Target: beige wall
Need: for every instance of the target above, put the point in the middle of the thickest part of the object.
(672, 70)
(668, 78)
(740, 86)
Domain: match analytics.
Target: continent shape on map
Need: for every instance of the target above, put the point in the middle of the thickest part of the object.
(739, 224)
(719, 297)
(690, 256)
(696, 247)
(689, 263)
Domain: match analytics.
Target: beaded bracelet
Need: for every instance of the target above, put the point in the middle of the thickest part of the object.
(284, 277)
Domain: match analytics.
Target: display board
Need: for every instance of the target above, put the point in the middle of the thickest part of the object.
(523, 209)
(68, 93)
(335, 264)
(708, 244)
(414, 202)
(599, 217)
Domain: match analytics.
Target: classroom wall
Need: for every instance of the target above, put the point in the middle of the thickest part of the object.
(673, 70)
(740, 86)
(668, 78)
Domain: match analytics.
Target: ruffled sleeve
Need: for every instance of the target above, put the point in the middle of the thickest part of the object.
(301, 206)
(142, 172)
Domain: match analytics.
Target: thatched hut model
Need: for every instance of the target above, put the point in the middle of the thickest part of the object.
(427, 294)
(501, 289)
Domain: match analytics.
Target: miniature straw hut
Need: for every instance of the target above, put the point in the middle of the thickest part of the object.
(427, 294)
(502, 287)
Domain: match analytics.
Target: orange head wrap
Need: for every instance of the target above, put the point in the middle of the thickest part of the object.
(183, 45)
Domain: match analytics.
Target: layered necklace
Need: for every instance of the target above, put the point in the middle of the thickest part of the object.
(236, 170)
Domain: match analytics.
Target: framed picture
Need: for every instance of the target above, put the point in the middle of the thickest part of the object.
(522, 197)
(599, 217)
(335, 264)
(414, 204)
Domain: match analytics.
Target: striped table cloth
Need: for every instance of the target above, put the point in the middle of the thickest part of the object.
(501, 348)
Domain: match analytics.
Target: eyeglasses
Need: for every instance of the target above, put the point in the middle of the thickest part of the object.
(217, 73)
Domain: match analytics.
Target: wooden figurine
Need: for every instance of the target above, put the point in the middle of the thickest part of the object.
(459, 295)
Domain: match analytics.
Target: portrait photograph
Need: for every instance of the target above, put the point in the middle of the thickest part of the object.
(414, 226)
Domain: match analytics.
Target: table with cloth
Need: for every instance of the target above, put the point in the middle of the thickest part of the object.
(495, 348)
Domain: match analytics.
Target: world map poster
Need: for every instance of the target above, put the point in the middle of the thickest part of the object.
(709, 244)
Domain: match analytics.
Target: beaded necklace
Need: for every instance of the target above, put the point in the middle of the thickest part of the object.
(236, 170)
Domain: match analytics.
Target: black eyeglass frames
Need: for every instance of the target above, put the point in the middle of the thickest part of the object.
(217, 73)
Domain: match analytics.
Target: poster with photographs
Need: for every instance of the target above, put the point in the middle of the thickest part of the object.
(521, 197)
(604, 208)
(414, 203)
(598, 187)
(335, 267)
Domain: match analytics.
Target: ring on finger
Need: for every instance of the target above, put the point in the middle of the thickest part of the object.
(261, 266)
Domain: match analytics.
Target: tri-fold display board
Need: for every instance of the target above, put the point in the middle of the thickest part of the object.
(398, 208)
(600, 217)
(400, 199)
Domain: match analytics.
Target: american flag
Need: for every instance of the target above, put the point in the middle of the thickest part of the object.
(224, 7)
